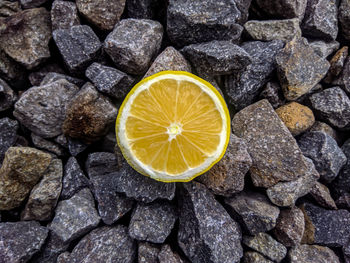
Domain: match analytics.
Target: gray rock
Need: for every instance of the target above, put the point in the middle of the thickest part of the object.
(133, 43)
(26, 35)
(42, 109)
(273, 93)
(21, 169)
(73, 179)
(322, 48)
(322, 196)
(101, 13)
(341, 184)
(217, 57)
(47, 145)
(147, 252)
(75, 146)
(206, 232)
(10, 70)
(311, 254)
(255, 257)
(109, 80)
(75, 217)
(190, 22)
(152, 222)
(324, 152)
(254, 212)
(32, 3)
(324, 127)
(227, 176)
(78, 46)
(299, 68)
(337, 63)
(243, 88)
(267, 30)
(8, 135)
(343, 201)
(63, 257)
(62, 140)
(320, 20)
(275, 153)
(286, 193)
(44, 196)
(283, 8)
(243, 6)
(21, 240)
(290, 227)
(36, 77)
(7, 96)
(9, 8)
(325, 227)
(145, 9)
(343, 80)
(88, 115)
(105, 244)
(64, 15)
(344, 18)
(53, 76)
(169, 59)
(166, 255)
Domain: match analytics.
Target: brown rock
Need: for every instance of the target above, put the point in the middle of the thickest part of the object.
(322, 196)
(255, 257)
(8, 8)
(337, 62)
(312, 254)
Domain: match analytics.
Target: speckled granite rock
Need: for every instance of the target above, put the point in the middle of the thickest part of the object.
(53, 76)
(206, 232)
(322, 196)
(102, 13)
(227, 176)
(64, 15)
(7, 96)
(147, 252)
(284, 8)
(275, 154)
(133, 43)
(8, 135)
(32, 3)
(76, 147)
(341, 184)
(166, 255)
(253, 211)
(10, 70)
(344, 18)
(9, 8)
(26, 35)
(323, 48)
(21, 240)
(255, 257)
(337, 63)
(311, 254)
(22, 168)
(36, 77)
(47, 145)
(324, 127)
(45, 118)
(273, 93)
(146, 9)
(293, 62)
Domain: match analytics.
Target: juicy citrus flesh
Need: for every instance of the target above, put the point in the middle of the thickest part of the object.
(173, 126)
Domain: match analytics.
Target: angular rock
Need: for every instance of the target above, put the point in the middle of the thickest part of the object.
(102, 13)
(324, 127)
(147, 252)
(64, 15)
(8, 135)
(283, 8)
(22, 168)
(243, 88)
(73, 179)
(343, 80)
(344, 18)
(266, 245)
(166, 255)
(26, 35)
(206, 232)
(341, 184)
(47, 145)
(62, 140)
(110, 244)
(11, 71)
(311, 254)
(36, 77)
(53, 76)
(322, 48)
(227, 176)
(42, 109)
(267, 30)
(44, 196)
(78, 46)
(275, 153)
(324, 152)
(290, 227)
(299, 68)
(152, 222)
(298, 118)
(169, 59)
(8, 8)
(325, 227)
(32, 3)
(255, 257)
(254, 212)
(75, 217)
(75, 146)
(343, 201)
(109, 80)
(145, 9)
(273, 93)
(190, 22)
(322, 196)
(7, 96)
(63, 257)
(337, 63)
(21, 240)
(88, 115)
(286, 193)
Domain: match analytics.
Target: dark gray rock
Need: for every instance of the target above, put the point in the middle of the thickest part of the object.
(64, 15)
(341, 184)
(206, 232)
(324, 152)
(217, 57)
(73, 179)
(299, 68)
(343, 80)
(147, 252)
(325, 227)
(337, 63)
(145, 9)
(75, 146)
(53, 76)
(322, 196)
(21, 240)
(343, 201)
(105, 244)
(32, 3)
(36, 77)
(152, 222)
(273, 93)
(275, 153)
(8, 135)
(243, 88)
(266, 245)
(166, 255)
(283, 8)
(103, 14)
(62, 140)
(133, 43)
(78, 46)
(312, 254)
(75, 217)
(47, 145)
(324, 127)
(109, 80)
(243, 6)
(255, 257)
(190, 22)
(26, 35)
(254, 212)
(320, 20)
(63, 257)
(42, 109)
(11, 71)
(323, 48)
(344, 18)
(7, 96)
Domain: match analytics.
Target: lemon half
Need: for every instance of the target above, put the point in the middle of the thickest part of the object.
(173, 126)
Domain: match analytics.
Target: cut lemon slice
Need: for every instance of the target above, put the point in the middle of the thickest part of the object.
(173, 126)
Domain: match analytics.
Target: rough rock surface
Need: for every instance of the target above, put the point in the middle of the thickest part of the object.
(166, 255)
(8, 135)
(284, 8)
(322, 196)
(344, 18)
(273, 93)
(311, 254)
(255, 257)
(324, 48)
(337, 63)
(64, 15)
(47, 145)
(341, 184)
(147, 252)
(142, 8)
(7, 96)
(324, 127)
(53, 76)
(9, 8)
(32, 3)
(10, 70)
